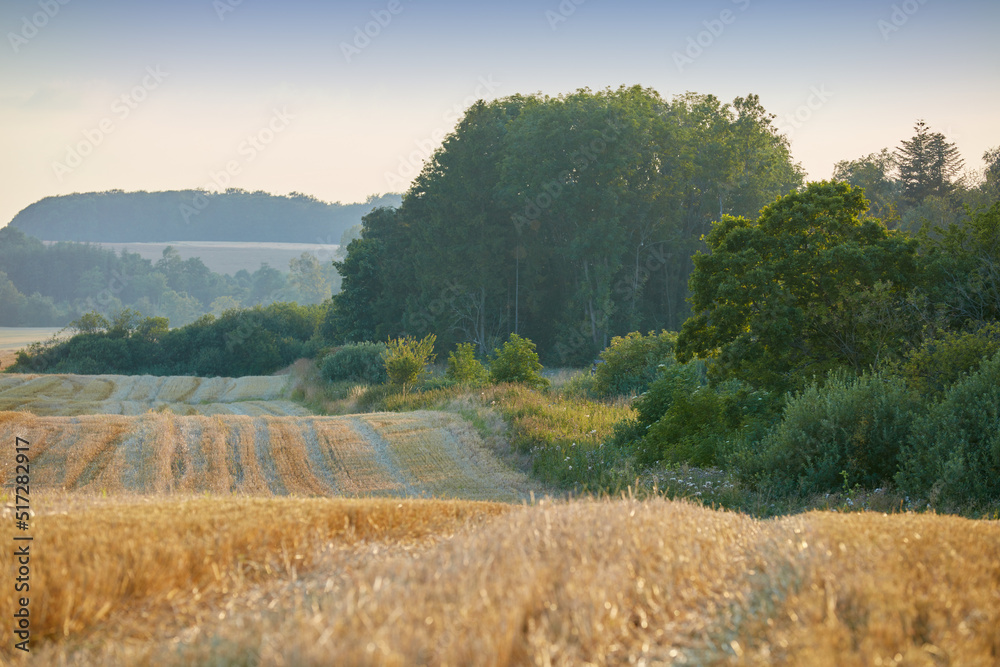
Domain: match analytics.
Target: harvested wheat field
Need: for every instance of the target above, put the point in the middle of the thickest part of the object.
(419, 454)
(68, 395)
(287, 581)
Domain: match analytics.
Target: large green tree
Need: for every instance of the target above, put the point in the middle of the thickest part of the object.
(776, 299)
(928, 164)
(376, 277)
(460, 239)
(567, 220)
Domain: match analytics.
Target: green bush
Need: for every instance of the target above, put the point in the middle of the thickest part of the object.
(630, 362)
(463, 367)
(702, 422)
(517, 361)
(357, 362)
(942, 360)
(847, 431)
(674, 380)
(406, 359)
(955, 449)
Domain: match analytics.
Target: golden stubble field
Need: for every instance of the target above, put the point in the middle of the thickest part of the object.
(167, 538)
(293, 581)
(408, 455)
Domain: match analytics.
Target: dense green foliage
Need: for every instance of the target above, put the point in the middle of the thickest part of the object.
(406, 359)
(964, 267)
(254, 341)
(954, 453)
(361, 312)
(847, 431)
(464, 367)
(517, 361)
(356, 362)
(630, 363)
(775, 300)
(567, 220)
(192, 215)
(945, 357)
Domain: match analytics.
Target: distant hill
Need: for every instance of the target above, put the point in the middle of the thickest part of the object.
(192, 215)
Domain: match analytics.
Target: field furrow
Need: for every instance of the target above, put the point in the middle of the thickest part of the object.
(69, 395)
(133, 466)
(351, 460)
(421, 454)
(242, 442)
(318, 459)
(178, 389)
(87, 456)
(214, 446)
(382, 450)
(40, 436)
(95, 390)
(288, 448)
(265, 459)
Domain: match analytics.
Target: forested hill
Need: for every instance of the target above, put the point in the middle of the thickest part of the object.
(192, 215)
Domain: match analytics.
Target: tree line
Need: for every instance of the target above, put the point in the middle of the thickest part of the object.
(192, 215)
(564, 219)
(240, 342)
(572, 219)
(51, 285)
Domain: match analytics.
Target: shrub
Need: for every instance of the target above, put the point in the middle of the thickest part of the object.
(406, 359)
(847, 431)
(703, 422)
(517, 361)
(631, 362)
(357, 362)
(955, 448)
(464, 367)
(674, 380)
(942, 360)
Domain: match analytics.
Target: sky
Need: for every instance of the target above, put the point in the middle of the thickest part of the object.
(343, 100)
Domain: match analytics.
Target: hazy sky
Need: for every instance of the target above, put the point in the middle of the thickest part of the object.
(295, 96)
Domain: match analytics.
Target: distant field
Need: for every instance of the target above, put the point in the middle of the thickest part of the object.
(62, 395)
(14, 338)
(230, 257)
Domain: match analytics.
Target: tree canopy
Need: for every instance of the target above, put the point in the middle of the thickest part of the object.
(567, 219)
(774, 299)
